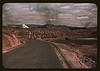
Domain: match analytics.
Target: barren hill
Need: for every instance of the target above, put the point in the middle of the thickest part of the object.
(9, 39)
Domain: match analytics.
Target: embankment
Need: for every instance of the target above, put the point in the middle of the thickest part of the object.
(9, 39)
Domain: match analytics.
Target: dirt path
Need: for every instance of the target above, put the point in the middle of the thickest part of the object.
(73, 59)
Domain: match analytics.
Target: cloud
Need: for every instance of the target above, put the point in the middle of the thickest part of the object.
(25, 9)
(65, 7)
(7, 8)
(34, 12)
(82, 17)
(69, 13)
(79, 12)
(82, 4)
(94, 9)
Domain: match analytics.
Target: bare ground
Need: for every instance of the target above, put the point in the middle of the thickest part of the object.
(75, 59)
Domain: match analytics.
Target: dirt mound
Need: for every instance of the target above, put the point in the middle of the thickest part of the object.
(9, 39)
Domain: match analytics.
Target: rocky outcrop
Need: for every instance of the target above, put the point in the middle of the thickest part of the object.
(47, 32)
(9, 40)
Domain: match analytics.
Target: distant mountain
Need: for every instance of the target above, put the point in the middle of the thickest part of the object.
(72, 28)
(62, 26)
(69, 27)
(20, 26)
(47, 25)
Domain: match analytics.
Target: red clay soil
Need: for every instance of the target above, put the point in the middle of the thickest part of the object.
(88, 50)
(85, 47)
(9, 40)
(82, 47)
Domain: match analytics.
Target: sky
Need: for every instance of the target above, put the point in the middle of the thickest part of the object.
(69, 14)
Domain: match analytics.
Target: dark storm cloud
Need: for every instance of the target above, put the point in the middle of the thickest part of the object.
(71, 14)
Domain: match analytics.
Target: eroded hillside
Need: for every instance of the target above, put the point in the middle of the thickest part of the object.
(77, 45)
(53, 33)
(9, 40)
